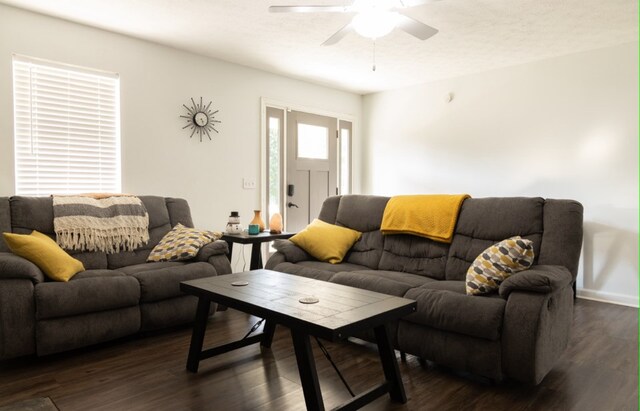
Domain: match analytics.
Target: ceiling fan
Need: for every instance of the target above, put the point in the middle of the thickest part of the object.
(373, 18)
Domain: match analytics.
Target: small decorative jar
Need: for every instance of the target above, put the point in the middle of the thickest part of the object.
(234, 226)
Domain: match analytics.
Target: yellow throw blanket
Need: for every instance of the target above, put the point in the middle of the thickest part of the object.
(431, 216)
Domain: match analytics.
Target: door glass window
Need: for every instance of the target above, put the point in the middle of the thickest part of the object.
(345, 164)
(313, 142)
(274, 166)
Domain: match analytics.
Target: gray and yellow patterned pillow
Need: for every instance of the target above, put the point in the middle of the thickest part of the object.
(498, 262)
(181, 243)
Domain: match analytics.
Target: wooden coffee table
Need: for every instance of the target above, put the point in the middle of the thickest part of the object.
(340, 312)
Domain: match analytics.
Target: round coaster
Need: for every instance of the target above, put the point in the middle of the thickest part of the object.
(309, 300)
(239, 283)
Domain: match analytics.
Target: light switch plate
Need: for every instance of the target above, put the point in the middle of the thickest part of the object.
(248, 183)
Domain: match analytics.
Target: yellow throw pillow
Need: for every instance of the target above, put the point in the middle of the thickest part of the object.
(326, 242)
(45, 253)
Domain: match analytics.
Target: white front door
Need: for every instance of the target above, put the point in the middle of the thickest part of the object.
(312, 166)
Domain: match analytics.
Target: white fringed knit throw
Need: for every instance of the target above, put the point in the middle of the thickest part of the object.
(110, 224)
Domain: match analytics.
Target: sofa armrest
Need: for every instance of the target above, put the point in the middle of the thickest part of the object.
(218, 247)
(292, 253)
(538, 279)
(275, 259)
(535, 332)
(14, 266)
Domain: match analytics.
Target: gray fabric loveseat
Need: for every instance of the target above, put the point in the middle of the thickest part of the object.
(118, 294)
(519, 332)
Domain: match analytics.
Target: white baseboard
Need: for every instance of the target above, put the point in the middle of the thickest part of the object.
(605, 297)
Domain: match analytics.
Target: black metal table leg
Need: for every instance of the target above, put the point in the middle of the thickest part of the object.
(268, 330)
(307, 370)
(197, 336)
(389, 364)
(256, 256)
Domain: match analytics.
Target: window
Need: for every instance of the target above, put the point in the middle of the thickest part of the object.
(313, 142)
(345, 163)
(274, 166)
(66, 128)
(344, 150)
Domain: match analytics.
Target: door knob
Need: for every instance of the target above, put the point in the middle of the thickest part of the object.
(290, 204)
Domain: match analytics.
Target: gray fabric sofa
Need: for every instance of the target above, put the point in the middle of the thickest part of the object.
(118, 294)
(519, 332)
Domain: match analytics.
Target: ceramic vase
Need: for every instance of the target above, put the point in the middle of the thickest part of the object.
(257, 219)
(275, 224)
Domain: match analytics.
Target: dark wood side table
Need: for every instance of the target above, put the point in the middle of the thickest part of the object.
(256, 241)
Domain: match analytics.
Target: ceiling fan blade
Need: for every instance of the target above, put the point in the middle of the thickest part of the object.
(308, 9)
(415, 28)
(338, 35)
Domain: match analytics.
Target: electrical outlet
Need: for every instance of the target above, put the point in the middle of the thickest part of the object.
(248, 183)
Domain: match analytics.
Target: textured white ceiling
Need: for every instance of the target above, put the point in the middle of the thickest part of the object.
(475, 35)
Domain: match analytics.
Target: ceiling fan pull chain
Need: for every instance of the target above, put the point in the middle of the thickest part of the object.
(374, 55)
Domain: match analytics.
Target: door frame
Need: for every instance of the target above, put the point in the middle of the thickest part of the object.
(278, 104)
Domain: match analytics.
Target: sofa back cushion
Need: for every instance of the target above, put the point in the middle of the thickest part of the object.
(361, 213)
(36, 213)
(562, 238)
(164, 214)
(5, 222)
(415, 255)
(486, 221)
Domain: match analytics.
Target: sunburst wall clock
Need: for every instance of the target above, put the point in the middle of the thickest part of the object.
(201, 119)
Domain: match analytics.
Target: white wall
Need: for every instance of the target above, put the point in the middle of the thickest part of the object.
(157, 156)
(565, 127)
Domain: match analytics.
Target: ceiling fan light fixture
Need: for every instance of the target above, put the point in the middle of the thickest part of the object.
(374, 23)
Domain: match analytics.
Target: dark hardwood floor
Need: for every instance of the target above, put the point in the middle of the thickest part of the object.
(599, 371)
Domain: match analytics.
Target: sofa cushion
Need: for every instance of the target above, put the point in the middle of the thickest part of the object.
(497, 263)
(334, 268)
(326, 242)
(307, 269)
(179, 212)
(5, 222)
(90, 260)
(416, 255)
(159, 226)
(363, 213)
(486, 221)
(31, 213)
(45, 253)
(87, 295)
(386, 282)
(159, 281)
(445, 306)
(368, 250)
(97, 273)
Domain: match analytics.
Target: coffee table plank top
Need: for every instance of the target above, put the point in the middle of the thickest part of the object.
(341, 311)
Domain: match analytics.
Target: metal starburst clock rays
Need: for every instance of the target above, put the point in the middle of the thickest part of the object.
(201, 120)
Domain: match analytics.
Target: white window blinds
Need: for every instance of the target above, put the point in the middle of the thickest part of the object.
(66, 128)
